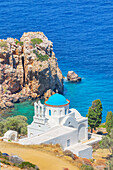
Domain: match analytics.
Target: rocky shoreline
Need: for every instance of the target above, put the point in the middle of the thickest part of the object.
(28, 69)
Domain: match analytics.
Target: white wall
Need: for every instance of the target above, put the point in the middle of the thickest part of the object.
(86, 153)
(62, 140)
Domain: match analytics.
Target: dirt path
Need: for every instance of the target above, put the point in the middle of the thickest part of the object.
(43, 160)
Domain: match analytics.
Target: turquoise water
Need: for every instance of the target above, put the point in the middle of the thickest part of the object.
(82, 34)
(26, 109)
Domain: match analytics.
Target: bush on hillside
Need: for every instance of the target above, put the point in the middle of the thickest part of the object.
(28, 166)
(3, 44)
(86, 167)
(17, 123)
(35, 41)
(19, 42)
(40, 56)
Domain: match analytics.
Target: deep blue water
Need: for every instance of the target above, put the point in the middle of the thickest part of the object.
(82, 33)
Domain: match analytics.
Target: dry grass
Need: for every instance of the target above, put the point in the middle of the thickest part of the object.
(46, 157)
(101, 157)
(101, 154)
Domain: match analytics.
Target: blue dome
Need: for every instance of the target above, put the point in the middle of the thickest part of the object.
(57, 100)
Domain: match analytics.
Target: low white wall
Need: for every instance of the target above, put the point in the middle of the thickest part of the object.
(62, 140)
(86, 153)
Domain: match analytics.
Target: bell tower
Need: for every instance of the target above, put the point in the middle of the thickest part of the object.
(39, 116)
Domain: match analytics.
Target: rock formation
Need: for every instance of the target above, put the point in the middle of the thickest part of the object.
(28, 68)
(73, 77)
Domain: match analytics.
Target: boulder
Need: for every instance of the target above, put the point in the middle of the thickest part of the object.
(9, 104)
(2, 105)
(48, 93)
(23, 98)
(34, 96)
(16, 99)
(73, 77)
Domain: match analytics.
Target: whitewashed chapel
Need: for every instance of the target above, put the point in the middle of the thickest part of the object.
(54, 122)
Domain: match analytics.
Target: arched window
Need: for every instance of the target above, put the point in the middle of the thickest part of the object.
(49, 112)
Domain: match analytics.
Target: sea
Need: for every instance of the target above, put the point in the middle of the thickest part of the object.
(82, 35)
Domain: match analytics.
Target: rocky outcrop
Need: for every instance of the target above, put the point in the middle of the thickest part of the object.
(28, 68)
(73, 77)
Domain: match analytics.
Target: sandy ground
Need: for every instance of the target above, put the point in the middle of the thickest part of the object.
(44, 161)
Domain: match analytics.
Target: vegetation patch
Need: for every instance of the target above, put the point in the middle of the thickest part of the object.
(18, 162)
(28, 165)
(19, 42)
(17, 123)
(3, 44)
(5, 162)
(35, 41)
(40, 56)
(86, 167)
(103, 125)
(109, 122)
(95, 114)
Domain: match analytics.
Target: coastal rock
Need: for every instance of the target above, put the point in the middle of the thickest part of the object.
(48, 93)
(2, 105)
(9, 104)
(15, 99)
(34, 95)
(73, 77)
(28, 70)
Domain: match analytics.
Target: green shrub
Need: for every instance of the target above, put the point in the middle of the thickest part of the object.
(1, 128)
(17, 123)
(5, 157)
(3, 44)
(40, 56)
(20, 42)
(86, 167)
(100, 142)
(27, 165)
(94, 150)
(23, 131)
(92, 160)
(5, 162)
(9, 140)
(102, 126)
(35, 41)
(5, 90)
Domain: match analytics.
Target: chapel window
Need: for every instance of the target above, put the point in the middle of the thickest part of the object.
(49, 112)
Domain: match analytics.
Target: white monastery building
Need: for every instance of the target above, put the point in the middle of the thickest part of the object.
(54, 122)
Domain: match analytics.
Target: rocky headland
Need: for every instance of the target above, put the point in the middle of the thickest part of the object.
(28, 69)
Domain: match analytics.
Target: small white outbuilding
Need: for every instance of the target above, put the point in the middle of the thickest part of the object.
(10, 135)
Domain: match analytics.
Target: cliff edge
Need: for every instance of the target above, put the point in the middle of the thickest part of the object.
(28, 69)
